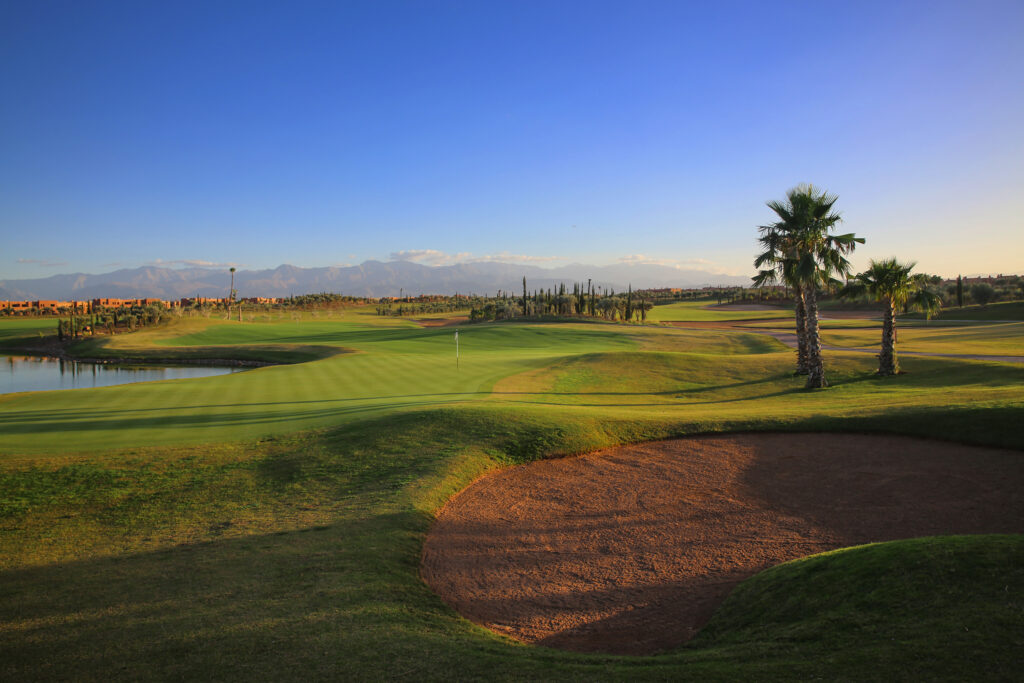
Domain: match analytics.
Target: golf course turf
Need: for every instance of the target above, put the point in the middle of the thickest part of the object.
(269, 524)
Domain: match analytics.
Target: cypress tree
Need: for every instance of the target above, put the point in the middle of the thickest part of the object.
(960, 291)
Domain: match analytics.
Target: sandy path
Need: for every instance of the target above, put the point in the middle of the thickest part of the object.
(630, 550)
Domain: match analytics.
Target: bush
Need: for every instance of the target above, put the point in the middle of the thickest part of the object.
(982, 293)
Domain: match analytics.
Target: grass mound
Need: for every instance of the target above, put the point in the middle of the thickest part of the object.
(913, 608)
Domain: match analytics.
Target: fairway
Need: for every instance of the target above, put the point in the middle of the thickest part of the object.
(978, 338)
(278, 515)
(703, 311)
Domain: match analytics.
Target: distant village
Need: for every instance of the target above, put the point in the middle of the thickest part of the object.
(954, 292)
(96, 305)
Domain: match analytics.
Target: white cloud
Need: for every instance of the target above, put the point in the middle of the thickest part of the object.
(194, 263)
(429, 257)
(44, 264)
(434, 257)
(678, 264)
(505, 257)
(637, 259)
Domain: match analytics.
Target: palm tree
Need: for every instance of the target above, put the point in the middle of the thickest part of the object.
(231, 295)
(890, 282)
(782, 270)
(808, 256)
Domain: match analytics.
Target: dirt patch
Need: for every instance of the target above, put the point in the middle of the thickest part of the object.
(630, 550)
(441, 322)
(745, 307)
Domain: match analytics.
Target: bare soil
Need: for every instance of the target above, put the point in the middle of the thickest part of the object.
(746, 307)
(442, 322)
(629, 550)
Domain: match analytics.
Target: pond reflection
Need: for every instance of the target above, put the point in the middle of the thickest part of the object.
(38, 373)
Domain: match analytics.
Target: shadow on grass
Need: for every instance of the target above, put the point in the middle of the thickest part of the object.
(327, 601)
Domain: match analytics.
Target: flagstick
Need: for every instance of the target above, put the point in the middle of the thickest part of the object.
(456, 349)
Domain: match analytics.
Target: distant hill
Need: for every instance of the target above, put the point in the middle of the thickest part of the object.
(372, 278)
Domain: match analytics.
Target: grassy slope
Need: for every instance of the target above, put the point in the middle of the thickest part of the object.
(272, 554)
(905, 605)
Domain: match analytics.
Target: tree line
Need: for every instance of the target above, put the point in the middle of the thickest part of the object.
(111, 321)
(584, 301)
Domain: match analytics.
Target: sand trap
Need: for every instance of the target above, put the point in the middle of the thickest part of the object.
(630, 550)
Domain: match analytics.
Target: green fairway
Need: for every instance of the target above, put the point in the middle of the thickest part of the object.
(992, 339)
(15, 331)
(703, 311)
(383, 370)
(1007, 310)
(268, 524)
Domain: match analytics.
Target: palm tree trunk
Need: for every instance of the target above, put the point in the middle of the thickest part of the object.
(887, 362)
(815, 366)
(801, 333)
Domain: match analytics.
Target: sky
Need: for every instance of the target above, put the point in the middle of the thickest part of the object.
(330, 133)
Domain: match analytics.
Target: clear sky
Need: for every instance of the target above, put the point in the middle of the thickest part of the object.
(330, 133)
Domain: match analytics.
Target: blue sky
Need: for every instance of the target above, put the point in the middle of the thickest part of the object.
(550, 132)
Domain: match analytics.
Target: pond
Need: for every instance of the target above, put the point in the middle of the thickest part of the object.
(36, 373)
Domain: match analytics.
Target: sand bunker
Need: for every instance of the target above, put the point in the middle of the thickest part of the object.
(629, 550)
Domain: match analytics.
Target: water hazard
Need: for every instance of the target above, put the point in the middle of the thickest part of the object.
(34, 373)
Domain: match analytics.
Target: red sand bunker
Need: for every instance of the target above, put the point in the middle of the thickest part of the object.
(629, 550)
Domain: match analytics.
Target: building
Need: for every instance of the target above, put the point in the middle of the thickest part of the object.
(110, 303)
(16, 306)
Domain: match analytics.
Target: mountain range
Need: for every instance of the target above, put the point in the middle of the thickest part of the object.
(372, 278)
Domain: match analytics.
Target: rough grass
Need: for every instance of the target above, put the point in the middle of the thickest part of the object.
(192, 529)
